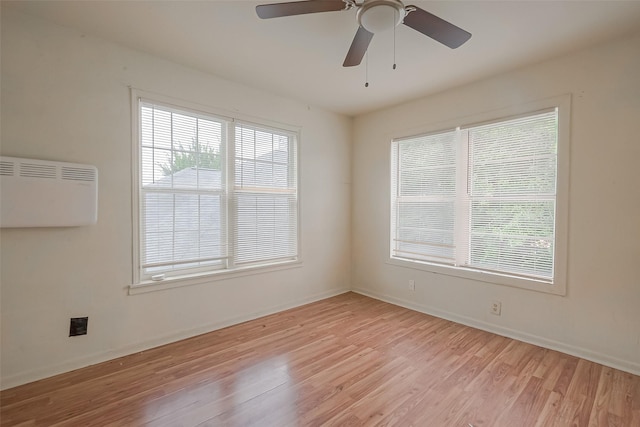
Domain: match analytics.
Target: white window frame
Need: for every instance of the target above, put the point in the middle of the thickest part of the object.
(142, 283)
(559, 282)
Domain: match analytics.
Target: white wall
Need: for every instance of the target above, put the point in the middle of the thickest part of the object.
(599, 318)
(65, 97)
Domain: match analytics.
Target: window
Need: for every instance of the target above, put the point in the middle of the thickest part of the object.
(481, 201)
(214, 193)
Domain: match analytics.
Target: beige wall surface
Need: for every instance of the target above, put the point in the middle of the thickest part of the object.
(599, 318)
(66, 97)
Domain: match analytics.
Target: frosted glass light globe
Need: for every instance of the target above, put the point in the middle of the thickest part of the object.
(380, 15)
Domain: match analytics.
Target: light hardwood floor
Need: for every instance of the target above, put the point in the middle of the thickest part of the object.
(344, 361)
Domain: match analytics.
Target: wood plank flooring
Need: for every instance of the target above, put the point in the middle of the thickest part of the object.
(344, 361)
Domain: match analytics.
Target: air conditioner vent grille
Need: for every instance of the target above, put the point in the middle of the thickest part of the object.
(30, 170)
(6, 168)
(44, 193)
(78, 174)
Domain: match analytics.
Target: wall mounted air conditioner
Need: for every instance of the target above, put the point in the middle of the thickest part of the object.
(39, 193)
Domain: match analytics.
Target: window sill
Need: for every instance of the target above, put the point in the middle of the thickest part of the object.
(200, 278)
(483, 276)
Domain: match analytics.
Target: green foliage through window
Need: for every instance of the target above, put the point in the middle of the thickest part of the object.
(198, 155)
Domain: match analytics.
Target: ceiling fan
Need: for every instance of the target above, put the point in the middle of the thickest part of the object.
(373, 16)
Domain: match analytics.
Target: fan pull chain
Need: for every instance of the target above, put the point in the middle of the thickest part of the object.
(395, 19)
(366, 69)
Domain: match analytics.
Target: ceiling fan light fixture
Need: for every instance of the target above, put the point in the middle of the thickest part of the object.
(377, 16)
(373, 16)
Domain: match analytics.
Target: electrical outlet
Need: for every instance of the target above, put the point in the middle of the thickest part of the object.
(496, 308)
(78, 326)
(412, 285)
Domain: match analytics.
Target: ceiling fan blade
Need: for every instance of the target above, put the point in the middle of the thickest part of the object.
(358, 48)
(436, 28)
(277, 10)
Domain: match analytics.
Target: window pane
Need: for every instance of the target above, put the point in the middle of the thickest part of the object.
(513, 237)
(433, 181)
(514, 157)
(266, 195)
(424, 192)
(264, 159)
(513, 181)
(181, 229)
(425, 231)
(160, 123)
(266, 227)
(180, 150)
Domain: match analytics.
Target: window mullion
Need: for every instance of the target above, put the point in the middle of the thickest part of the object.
(395, 170)
(140, 215)
(173, 204)
(462, 198)
(230, 211)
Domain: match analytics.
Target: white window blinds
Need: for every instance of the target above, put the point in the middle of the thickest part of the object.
(480, 197)
(182, 193)
(266, 198)
(512, 170)
(424, 195)
(214, 193)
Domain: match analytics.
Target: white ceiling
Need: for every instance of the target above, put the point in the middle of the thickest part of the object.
(301, 56)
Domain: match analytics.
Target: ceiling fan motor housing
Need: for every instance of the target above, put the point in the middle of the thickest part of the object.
(379, 15)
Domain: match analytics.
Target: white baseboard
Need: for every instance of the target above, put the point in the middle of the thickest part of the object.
(603, 359)
(70, 365)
